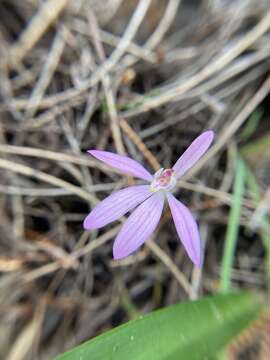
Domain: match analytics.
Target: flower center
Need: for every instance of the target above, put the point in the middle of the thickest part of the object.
(164, 179)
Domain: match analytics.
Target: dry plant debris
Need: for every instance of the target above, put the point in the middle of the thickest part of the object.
(137, 77)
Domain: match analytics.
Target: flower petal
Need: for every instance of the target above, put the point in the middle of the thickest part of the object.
(122, 163)
(193, 153)
(187, 229)
(116, 205)
(139, 226)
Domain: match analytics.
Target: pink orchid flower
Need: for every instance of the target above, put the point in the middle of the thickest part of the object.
(149, 202)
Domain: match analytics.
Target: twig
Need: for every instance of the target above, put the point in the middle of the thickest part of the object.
(47, 72)
(47, 14)
(180, 277)
(140, 145)
(172, 94)
(159, 32)
(51, 192)
(127, 37)
(28, 336)
(107, 87)
(113, 40)
(230, 129)
(56, 265)
(53, 155)
(40, 175)
(83, 160)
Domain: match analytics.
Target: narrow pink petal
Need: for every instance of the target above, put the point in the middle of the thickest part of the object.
(139, 226)
(116, 205)
(193, 153)
(122, 163)
(187, 229)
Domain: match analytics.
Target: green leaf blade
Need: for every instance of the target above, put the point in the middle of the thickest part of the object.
(192, 330)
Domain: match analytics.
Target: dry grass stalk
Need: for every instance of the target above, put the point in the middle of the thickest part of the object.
(195, 67)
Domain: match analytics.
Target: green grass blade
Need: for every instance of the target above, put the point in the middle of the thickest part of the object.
(251, 124)
(193, 330)
(256, 148)
(233, 226)
(128, 306)
(265, 236)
